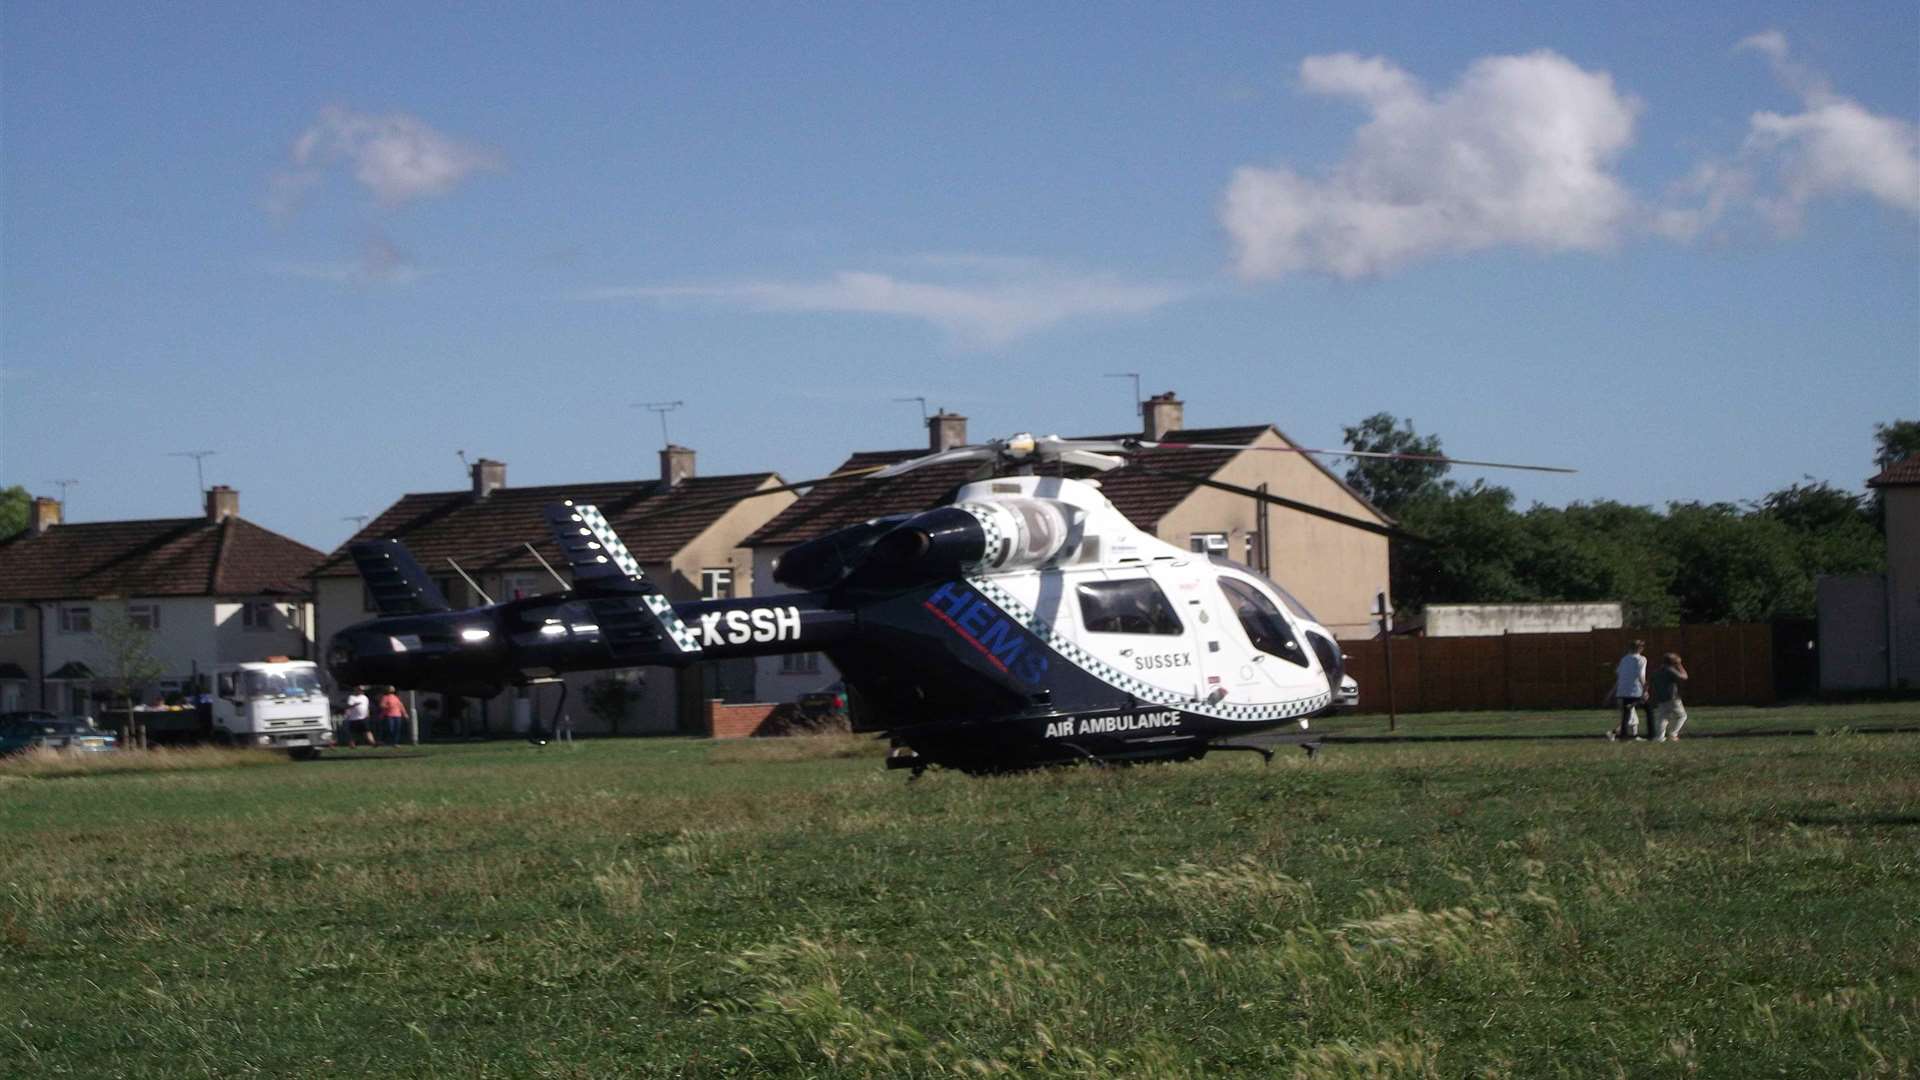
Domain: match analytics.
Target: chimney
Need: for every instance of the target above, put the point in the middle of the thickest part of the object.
(45, 515)
(222, 503)
(1162, 413)
(676, 464)
(946, 431)
(489, 476)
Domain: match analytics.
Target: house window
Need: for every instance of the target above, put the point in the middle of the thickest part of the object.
(716, 583)
(1214, 543)
(800, 663)
(257, 615)
(76, 619)
(517, 586)
(144, 616)
(13, 619)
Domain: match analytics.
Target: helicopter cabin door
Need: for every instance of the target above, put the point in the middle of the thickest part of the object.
(1129, 621)
(1278, 666)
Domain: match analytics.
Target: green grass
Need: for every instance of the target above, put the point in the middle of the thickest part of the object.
(1719, 907)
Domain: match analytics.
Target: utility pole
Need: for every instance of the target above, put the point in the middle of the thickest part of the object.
(1139, 410)
(1381, 608)
(199, 474)
(663, 408)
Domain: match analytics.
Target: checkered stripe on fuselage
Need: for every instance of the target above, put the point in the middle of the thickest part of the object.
(1144, 691)
(670, 619)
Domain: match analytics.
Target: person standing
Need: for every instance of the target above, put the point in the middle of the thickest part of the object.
(1667, 708)
(392, 711)
(1630, 687)
(356, 717)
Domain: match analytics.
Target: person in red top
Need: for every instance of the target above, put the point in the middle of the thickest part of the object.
(392, 711)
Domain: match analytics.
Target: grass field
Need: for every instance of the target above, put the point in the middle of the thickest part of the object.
(1717, 907)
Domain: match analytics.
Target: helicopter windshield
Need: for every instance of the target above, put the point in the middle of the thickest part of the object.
(1266, 627)
(1293, 602)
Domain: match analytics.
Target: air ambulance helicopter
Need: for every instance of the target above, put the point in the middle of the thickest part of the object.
(1025, 623)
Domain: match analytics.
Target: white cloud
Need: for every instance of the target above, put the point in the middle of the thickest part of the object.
(1834, 146)
(396, 157)
(1518, 153)
(1004, 300)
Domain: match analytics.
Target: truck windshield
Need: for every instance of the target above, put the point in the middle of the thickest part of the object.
(296, 683)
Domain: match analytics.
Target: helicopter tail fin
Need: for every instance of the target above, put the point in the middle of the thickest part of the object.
(634, 618)
(601, 564)
(396, 580)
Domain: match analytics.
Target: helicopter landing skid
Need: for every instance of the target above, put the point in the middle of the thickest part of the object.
(1266, 754)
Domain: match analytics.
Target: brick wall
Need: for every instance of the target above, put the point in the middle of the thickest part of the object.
(748, 721)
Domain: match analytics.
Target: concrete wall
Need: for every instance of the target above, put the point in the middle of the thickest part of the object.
(1903, 583)
(1475, 620)
(1333, 569)
(1852, 632)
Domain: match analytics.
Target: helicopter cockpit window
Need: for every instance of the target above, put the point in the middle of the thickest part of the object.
(1136, 606)
(1265, 626)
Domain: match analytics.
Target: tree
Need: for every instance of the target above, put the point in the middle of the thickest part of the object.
(1895, 441)
(14, 504)
(1391, 484)
(130, 664)
(609, 696)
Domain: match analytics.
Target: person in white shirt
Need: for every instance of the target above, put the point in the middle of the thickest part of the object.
(356, 717)
(1630, 688)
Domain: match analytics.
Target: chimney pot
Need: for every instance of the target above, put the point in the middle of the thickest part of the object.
(44, 515)
(946, 430)
(676, 464)
(488, 476)
(1163, 413)
(222, 503)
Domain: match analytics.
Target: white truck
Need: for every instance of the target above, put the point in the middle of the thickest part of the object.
(276, 703)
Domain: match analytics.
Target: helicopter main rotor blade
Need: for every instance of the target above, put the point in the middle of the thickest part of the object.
(1143, 444)
(941, 457)
(1389, 531)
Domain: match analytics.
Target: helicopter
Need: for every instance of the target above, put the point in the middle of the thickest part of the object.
(1025, 622)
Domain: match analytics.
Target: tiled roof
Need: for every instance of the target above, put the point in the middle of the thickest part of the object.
(1142, 492)
(1902, 473)
(490, 535)
(168, 557)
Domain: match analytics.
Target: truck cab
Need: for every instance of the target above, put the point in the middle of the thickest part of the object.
(276, 703)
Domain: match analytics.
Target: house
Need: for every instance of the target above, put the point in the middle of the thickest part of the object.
(1333, 569)
(685, 531)
(212, 589)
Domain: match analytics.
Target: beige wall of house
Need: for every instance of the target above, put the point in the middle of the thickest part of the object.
(1333, 569)
(20, 645)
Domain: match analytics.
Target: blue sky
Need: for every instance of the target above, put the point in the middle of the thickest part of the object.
(1673, 246)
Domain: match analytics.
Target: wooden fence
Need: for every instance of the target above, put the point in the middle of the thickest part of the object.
(1729, 664)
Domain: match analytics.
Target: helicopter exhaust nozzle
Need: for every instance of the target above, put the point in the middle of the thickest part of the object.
(938, 541)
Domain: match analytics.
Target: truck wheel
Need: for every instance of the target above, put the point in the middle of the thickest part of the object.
(304, 753)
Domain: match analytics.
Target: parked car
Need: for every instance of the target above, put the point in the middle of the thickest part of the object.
(1348, 696)
(829, 703)
(21, 731)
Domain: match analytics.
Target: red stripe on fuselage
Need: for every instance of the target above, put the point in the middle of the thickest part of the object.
(970, 639)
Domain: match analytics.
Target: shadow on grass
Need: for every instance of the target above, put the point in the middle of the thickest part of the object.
(1739, 733)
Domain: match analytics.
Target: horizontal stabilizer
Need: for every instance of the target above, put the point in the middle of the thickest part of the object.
(395, 580)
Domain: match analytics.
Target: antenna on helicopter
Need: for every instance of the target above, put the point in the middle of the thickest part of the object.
(663, 408)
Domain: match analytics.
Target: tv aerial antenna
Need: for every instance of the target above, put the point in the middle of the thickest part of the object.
(199, 473)
(1138, 408)
(923, 405)
(663, 408)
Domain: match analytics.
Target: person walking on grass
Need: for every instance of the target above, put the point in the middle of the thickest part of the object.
(356, 717)
(392, 711)
(1630, 688)
(1667, 709)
